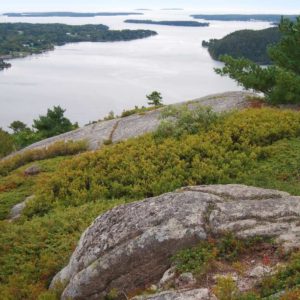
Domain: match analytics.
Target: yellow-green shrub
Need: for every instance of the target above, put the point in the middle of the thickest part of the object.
(32, 252)
(146, 167)
(60, 148)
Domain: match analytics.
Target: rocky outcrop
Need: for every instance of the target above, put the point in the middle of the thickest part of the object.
(129, 247)
(17, 209)
(133, 126)
(197, 294)
(32, 170)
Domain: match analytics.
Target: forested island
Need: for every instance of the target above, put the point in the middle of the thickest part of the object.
(70, 14)
(251, 44)
(237, 17)
(169, 23)
(22, 39)
(4, 65)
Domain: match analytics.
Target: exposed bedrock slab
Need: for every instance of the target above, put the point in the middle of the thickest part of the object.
(136, 125)
(130, 246)
(16, 211)
(197, 294)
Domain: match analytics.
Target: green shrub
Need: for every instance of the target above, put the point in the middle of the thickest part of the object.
(32, 252)
(136, 110)
(6, 143)
(180, 120)
(200, 259)
(226, 289)
(60, 148)
(197, 260)
(287, 278)
(144, 167)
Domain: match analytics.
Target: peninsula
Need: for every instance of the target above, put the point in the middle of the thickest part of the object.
(236, 17)
(250, 44)
(23, 39)
(169, 23)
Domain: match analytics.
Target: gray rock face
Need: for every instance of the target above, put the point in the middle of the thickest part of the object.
(198, 294)
(33, 170)
(133, 126)
(130, 246)
(185, 280)
(16, 211)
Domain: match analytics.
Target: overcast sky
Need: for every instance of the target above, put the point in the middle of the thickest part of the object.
(262, 6)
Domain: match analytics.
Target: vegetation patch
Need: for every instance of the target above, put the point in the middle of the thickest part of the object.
(250, 44)
(201, 259)
(59, 148)
(153, 166)
(255, 146)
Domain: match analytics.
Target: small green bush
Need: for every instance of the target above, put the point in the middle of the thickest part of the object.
(197, 260)
(200, 259)
(6, 143)
(226, 289)
(136, 110)
(180, 120)
(287, 278)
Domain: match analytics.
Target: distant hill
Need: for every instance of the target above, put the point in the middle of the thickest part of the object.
(69, 14)
(169, 23)
(236, 17)
(172, 8)
(251, 44)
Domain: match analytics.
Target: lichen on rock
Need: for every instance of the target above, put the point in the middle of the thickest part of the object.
(130, 246)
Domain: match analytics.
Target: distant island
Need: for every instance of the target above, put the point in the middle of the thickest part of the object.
(236, 17)
(169, 23)
(251, 44)
(70, 14)
(4, 65)
(172, 8)
(23, 39)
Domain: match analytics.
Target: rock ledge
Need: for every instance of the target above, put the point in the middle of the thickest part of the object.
(129, 247)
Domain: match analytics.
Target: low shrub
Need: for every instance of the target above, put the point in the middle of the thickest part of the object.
(291, 295)
(201, 258)
(180, 120)
(137, 110)
(223, 153)
(32, 252)
(197, 260)
(288, 277)
(226, 289)
(60, 148)
(6, 143)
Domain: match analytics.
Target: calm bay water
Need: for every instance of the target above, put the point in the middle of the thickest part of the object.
(91, 79)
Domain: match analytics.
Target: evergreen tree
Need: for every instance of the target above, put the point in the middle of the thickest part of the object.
(53, 123)
(155, 98)
(280, 82)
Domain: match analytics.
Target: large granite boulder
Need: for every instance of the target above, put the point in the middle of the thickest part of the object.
(197, 294)
(129, 247)
(136, 125)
